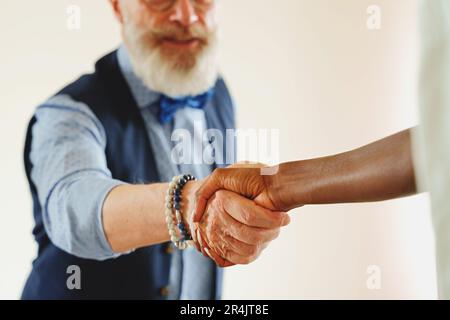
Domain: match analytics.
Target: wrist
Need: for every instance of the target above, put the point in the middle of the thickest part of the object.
(187, 204)
(293, 184)
(175, 206)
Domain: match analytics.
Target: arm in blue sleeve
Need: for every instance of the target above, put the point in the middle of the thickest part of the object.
(71, 176)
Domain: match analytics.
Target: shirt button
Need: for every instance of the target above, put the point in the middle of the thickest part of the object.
(164, 291)
(169, 249)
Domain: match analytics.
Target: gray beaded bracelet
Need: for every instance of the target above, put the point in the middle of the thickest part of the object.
(173, 204)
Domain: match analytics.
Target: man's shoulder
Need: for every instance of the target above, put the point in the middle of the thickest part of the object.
(221, 84)
(76, 101)
(222, 92)
(71, 102)
(91, 88)
(84, 88)
(63, 106)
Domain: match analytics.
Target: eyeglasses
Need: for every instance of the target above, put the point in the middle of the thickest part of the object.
(163, 5)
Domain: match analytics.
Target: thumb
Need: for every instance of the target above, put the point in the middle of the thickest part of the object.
(202, 196)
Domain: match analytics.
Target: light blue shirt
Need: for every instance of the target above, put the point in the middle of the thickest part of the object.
(72, 178)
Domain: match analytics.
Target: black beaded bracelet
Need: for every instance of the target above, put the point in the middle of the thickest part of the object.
(177, 205)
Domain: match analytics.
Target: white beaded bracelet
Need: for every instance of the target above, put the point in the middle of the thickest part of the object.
(172, 204)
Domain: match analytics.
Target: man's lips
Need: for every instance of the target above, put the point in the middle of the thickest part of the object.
(191, 43)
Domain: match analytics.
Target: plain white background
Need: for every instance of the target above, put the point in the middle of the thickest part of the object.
(310, 68)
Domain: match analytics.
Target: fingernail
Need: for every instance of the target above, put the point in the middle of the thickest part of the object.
(286, 220)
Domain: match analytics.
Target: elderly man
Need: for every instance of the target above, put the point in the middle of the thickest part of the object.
(92, 149)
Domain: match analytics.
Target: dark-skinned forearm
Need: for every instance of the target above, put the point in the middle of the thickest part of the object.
(379, 171)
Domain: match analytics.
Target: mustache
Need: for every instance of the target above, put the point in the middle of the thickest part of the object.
(182, 34)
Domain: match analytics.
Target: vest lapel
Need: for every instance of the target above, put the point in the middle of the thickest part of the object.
(219, 113)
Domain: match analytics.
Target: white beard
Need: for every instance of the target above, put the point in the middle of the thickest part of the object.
(159, 74)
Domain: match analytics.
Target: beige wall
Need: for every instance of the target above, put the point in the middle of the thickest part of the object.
(309, 68)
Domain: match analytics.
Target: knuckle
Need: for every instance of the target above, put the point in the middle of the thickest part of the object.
(213, 238)
(248, 260)
(208, 230)
(219, 200)
(254, 250)
(227, 232)
(242, 229)
(223, 250)
(217, 176)
(219, 172)
(226, 254)
(270, 235)
(246, 215)
(276, 234)
(255, 239)
(220, 195)
(274, 220)
(278, 221)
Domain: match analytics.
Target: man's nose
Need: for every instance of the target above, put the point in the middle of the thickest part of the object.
(184, 13)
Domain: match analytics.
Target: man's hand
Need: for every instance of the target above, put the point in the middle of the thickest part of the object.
(244, 179)
(235, 230)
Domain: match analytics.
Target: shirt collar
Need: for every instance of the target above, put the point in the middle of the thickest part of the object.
(142, 94)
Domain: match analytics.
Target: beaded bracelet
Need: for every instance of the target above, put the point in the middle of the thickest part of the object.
(173, 203)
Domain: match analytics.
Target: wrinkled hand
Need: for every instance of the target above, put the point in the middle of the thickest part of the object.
(235, 230)
(234, 227)
(244, 179)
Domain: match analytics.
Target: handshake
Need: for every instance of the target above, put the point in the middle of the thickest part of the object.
(239, 210)
(235, 215)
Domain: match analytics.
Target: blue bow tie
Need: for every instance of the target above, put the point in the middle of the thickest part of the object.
(168, 106)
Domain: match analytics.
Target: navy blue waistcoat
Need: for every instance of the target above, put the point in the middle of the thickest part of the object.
(143, 273)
